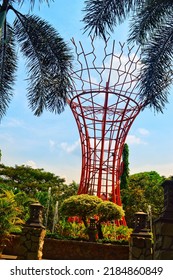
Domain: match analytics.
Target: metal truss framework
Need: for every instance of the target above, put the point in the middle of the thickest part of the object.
(104, 105)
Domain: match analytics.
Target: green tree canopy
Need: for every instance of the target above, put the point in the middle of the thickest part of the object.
(108, 211)
(30, 184)
(31, 181)
(144, 189)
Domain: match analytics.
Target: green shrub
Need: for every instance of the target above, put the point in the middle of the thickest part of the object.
(108, 211)
(82, 205)
(9, 215)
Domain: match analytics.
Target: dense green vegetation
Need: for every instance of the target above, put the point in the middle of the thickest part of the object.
(10, 213)
(30, 184)
(144, 189)
(22, 185)
(85, 206)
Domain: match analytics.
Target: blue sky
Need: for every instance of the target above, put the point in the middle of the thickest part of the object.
(52, 141)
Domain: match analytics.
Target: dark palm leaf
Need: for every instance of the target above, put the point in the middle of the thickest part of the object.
(156, 76)
(103, 15)
(48, 61)
(152, 27)
(8, 63)
(149, 16)
(32, 2)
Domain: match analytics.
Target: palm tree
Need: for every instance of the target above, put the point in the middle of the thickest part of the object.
(48, 57)
(151, 27)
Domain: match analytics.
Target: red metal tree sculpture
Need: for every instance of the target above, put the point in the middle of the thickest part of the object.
(104, 106)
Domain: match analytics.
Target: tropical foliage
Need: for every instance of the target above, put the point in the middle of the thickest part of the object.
(75, 229)
(85, 206)
(151, 27)
(30, 184)
(30, 180)
(112, 233)
(144, 190)
(107, 211)
(10, 215)
(22, 185)
(70, 229)
(48, 60)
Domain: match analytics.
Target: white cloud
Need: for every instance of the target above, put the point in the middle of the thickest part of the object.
(12, 122)
(164, 169)
(132, 139)
(6, 138)
(124, 69)
(143, 131)
(70, 148)
(31, 163)
(94, 81)
(52, 144)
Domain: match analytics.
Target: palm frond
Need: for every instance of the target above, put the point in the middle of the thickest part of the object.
(31, 2)
(148, 16)
(101, 16)
(8, 65)
(156, 75)
(49, 62)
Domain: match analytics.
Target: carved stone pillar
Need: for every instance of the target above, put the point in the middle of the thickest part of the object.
(140, 239)
(32, 237)
(163, 226)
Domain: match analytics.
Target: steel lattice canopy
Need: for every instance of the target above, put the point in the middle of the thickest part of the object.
(105, 103)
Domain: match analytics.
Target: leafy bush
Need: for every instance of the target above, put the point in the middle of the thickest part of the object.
(10, 215)
(72, 230)
(108, 211)
(76, 231)
(82, 205)
(85, 206)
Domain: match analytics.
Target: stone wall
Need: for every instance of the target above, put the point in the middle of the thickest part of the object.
(140, 248)
(163, 245)
(80, 250)
(13, 245)
(73, 250)
(163, 226)
(31, 243)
